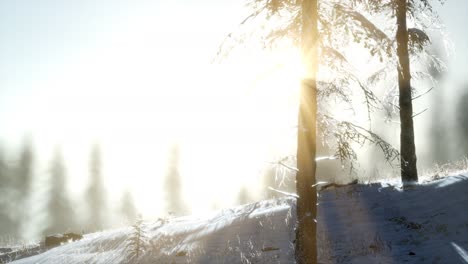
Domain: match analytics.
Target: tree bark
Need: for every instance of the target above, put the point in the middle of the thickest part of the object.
(409, 173)
(306, 239)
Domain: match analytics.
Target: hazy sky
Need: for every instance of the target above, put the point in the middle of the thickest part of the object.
(54, 52)
(453, 14)
(136, 76)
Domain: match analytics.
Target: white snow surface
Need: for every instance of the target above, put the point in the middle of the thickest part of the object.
(356, 224)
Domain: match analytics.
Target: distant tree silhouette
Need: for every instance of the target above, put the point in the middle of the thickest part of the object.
(438, 130)
(7, 223)
(24, 171)
(462, 122)
(173, 185)
(61, 216)
(128, 209)
(96, 194)
(22, 183)
(243, 196)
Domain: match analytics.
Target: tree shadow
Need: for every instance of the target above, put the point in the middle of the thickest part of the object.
(365, 223)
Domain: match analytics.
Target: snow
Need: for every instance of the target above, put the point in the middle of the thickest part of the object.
(258, 232)
(376, 223)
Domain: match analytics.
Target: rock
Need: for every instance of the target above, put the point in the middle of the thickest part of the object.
(73, 236)
(57, 240)
(265, 249)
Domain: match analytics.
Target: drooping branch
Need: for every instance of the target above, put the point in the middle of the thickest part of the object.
(347, 133)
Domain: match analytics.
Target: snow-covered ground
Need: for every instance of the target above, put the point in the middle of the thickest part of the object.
(357, 224)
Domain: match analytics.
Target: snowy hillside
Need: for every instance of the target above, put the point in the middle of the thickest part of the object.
(357, 224)
(259, 232)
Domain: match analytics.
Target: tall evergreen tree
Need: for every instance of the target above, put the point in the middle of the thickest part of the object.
(22, 182)
(306, 206)
(409, 171)
(409, 42)
(173, 185)
(7, 223)
(243, 196)
(440, 149)
(461, 121)
(96, 193)
(61, 215)
(24, 171)
(128, 209)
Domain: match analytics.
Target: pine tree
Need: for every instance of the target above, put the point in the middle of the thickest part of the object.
(128, 208)
(6, 219)
(243, 196)
(138, 242)
(173, 185)
(22, 182)
(410, 42)
(61, 215)
(409, 172)
(440, 150)
(461, 119)
(306, 205)
(96, 194)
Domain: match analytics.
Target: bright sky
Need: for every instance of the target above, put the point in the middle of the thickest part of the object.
(136, 76)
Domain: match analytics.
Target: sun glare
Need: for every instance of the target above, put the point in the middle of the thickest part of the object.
(235, 129)
(230, 120)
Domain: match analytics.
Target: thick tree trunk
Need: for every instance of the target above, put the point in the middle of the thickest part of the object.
(409, 173)
(306, 241)
(306, 244)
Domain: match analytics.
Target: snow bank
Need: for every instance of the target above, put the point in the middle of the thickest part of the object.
(363, 224)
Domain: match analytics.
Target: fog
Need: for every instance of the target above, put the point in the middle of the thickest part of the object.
(169, 134)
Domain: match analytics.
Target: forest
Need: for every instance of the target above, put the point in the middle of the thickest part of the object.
(256, 131)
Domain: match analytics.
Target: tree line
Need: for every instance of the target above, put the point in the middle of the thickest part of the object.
(28, 201)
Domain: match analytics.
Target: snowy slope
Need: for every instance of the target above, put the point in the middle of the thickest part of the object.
(357, 224)
(375, 224)
(259, 232)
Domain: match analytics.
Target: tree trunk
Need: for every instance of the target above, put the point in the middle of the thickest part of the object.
(306, 239)
(409, 173)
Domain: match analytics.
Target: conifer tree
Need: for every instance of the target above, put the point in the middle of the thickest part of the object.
(404, 52)
(61, 214)
(96, 193)
(7, 223)
(128, 208)
(22, 181)
(173, 185)
(243, 196)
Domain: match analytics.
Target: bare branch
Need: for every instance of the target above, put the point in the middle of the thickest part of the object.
(415, 115)
(283, 192)
(287, 166)
(416, 97)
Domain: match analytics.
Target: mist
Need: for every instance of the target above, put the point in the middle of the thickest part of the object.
(76, 157)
